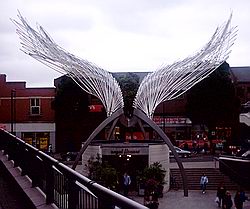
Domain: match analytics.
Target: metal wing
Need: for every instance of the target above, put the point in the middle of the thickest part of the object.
(88, 76)
(171, 81)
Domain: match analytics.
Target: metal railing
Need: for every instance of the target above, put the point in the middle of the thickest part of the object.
(61, 185)
(237, 172)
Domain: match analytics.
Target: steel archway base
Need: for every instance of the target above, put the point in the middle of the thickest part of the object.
(140, 116)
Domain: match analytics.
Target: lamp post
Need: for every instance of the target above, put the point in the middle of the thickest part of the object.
(13, 109)
(164, 117)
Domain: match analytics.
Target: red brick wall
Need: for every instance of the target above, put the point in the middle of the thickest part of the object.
(22, 102)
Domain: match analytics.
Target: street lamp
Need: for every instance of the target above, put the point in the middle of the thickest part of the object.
(13, 109)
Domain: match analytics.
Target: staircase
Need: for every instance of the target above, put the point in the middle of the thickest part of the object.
(194, 174)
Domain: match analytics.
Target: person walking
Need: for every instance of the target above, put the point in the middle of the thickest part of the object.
(203, 183)
(227, 202)
(126, 183)
(239, 199)
(221, 192)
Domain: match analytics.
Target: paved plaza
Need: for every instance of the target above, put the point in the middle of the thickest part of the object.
(195, 200)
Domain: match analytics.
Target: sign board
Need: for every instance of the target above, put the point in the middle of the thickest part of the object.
(125, 151)
(95, 108)
(171, 120)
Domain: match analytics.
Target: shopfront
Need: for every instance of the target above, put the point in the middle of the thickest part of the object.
(39, 140)
(177, 128)
(130, 157)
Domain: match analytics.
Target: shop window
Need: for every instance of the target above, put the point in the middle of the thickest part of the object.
(42, 140)
(39, 140)
(29, 138)
(35, 106)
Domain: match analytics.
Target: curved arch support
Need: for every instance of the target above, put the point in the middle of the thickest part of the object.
(146, 119)
(140, 115)
(108, 120)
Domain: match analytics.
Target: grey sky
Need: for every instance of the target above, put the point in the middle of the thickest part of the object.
(131, 35)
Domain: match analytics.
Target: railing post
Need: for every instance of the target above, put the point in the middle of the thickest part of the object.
(7, 139)
(49, 177)
(73, 193)
(10, 148)
(1, 139)
(24, 165)
(36, 172)
(17, 155)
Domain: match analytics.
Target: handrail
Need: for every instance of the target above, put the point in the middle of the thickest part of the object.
(41, 167)
(235, 174)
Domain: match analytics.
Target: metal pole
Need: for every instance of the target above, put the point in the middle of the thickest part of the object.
(164, 117)
(13, 109)
(14, 112)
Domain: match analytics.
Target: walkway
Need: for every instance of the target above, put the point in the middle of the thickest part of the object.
(195, 200)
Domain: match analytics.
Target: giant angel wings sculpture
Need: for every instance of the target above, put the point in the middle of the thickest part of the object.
(164, 84)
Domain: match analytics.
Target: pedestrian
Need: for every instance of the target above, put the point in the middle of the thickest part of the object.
(50, 149)
(126, 183)
(238, 202)
(239, 199)
(227, 202)
(203, 183)
(221, 192)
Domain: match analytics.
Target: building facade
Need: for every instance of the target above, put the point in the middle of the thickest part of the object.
(241, 80)
(130, 158)
(77, 114)
(28, 113)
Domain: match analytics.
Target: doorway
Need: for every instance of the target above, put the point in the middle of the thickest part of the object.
(131, 164)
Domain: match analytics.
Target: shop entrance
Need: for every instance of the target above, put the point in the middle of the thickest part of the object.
(132, 164)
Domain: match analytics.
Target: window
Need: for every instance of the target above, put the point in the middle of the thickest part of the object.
(39, 140)
(35, 106)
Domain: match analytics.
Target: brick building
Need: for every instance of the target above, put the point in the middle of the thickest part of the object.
(241, 80)
(27, 112)
(77, 114)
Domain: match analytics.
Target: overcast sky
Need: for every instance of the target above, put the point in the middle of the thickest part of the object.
(128, 35)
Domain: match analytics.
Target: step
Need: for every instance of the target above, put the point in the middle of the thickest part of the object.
(215, 177)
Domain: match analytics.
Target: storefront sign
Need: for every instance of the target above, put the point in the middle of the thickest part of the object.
(159, 120)
(125, 151)
(95, 108)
